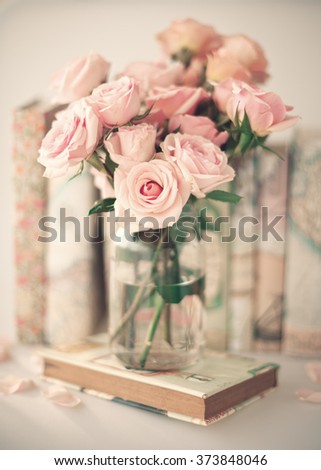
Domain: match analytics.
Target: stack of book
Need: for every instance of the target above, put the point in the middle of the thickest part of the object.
(255, 291)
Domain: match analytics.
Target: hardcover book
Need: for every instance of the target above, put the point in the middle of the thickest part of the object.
(302, 326)
(30, 123)
(58, 283)
(74, 271)
(272, 176)
(203, 393)
(241, 270)
(216, 282)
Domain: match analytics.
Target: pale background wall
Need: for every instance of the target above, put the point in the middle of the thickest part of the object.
(38, 37)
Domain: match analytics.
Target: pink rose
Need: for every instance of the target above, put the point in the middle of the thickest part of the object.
(116, 102)
(72, 138)
(225, 89)
(190, 35)
(197, 125)
(154, 189)
(79, 78)
(132, 143)
(265, 110)
(202, 163)
(248, 53)
(240, 58)
(176, 100)
(221, 65)
(151, 74)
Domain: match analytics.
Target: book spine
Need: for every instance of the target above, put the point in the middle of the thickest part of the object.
(216, 263)
(104, 190)
(30, 190)
(75, 291)
(241, 271)
(302, 332)
(272, 176)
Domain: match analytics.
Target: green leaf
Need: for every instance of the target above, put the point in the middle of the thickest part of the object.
(246, 126)
(79, 171)
(264, 147)
(224, 196)
(174, 293)
(103, 205)
(245, 143)
(110, 165)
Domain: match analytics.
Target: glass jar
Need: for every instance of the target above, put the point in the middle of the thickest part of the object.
(156, 296)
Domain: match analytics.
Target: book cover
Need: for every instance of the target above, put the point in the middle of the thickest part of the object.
(105, 190)
(216, 282)
(302, 330)
(210, 388)
(241, 268)
(30, 123)
(272, 181)
(74, 261)
(169, 414)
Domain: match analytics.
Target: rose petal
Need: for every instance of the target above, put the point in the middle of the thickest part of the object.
(36, 364)
(13, 384)
(309, 395)
(285, 124)
(61, 396)
(4, 350)
(313, 369)
(79, 78)
(303, 393)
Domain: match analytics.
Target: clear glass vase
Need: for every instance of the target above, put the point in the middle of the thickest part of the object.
(156, 311)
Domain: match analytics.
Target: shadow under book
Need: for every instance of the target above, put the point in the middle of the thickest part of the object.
(213, 388)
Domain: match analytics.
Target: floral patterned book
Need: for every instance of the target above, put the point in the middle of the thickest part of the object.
(211, 389)
(30, 124)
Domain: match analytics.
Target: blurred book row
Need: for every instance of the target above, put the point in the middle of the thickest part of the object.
(263, 269)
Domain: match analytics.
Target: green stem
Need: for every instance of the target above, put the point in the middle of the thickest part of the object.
(151, 332)
(139, 294)
(168, 332)
(132, 310)
(172, 271)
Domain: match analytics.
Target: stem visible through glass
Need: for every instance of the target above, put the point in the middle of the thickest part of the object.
(140, 294)
(151, 332)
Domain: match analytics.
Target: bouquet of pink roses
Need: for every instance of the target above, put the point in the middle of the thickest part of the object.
(164, 134)
(168, 127)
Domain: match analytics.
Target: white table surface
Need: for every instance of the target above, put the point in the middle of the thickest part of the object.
(279, 421)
